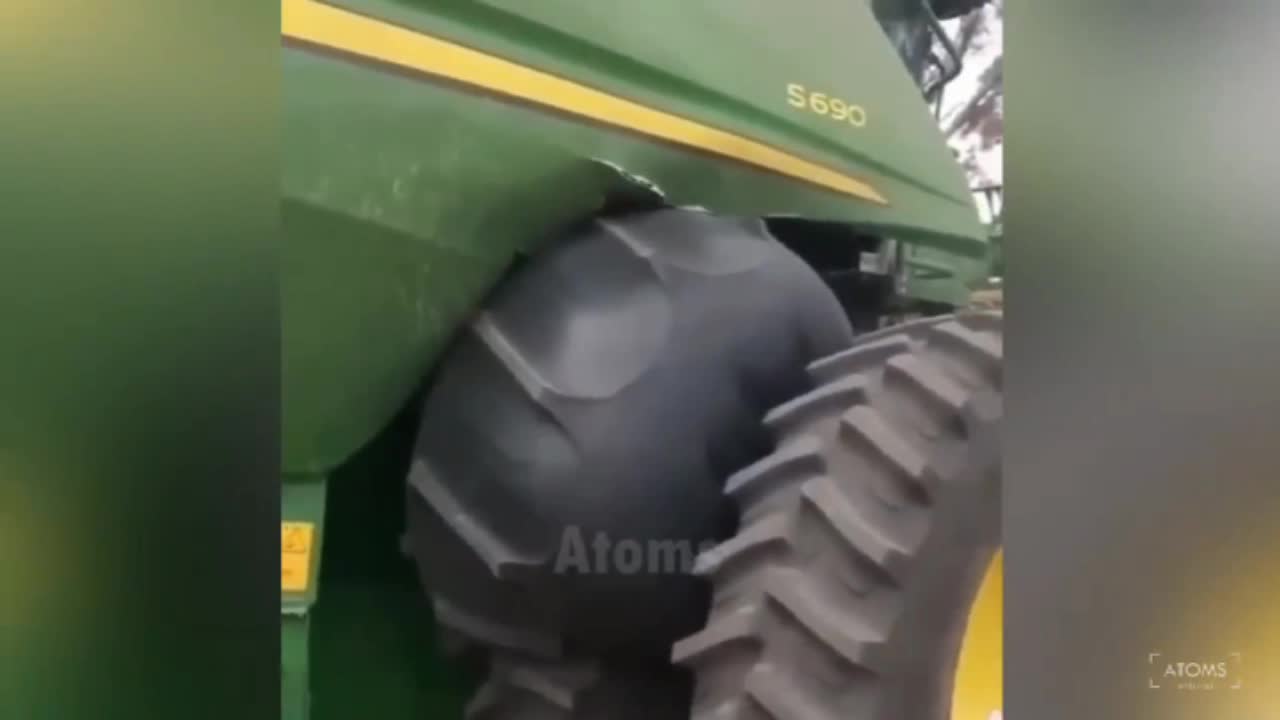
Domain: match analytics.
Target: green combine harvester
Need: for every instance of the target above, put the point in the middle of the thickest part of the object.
(592, 409)
(992, 206)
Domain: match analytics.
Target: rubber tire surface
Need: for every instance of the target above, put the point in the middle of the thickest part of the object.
(525, 688)
(864, 537)
(948, 9)
(605, 391)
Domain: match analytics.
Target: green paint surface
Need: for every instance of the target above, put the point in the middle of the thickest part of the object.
(404, 200)
(364, 646)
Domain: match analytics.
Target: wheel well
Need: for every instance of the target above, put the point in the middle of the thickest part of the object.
(835, 250)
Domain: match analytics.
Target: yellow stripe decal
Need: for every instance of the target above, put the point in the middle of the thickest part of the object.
(323, 25)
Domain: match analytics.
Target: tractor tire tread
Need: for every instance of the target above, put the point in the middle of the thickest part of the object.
(520, 687)
(784, 611)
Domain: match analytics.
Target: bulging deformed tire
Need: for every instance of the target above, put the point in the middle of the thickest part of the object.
(575, 436)
(950, 9)
(520, 687)
(864, 537)
(592, 407)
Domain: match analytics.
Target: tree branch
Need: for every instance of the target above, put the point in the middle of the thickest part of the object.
(990, 84)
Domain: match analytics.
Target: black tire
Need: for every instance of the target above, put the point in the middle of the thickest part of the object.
(602, 394)
(524, 688)
(864, 536)
(948, 9)
(605, 390)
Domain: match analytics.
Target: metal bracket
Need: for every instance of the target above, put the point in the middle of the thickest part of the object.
(933, 92)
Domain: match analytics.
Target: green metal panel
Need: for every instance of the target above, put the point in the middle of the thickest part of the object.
(302, 502)
(405, 198)
(294, 667)
(729, 64)
(942, 277)
(360, 641)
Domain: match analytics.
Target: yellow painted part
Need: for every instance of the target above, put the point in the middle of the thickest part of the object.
(979, 682)
(325, 26)
(296, 541)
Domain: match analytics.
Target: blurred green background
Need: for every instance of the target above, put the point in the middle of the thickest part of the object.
(1141, 507)
(139, 388)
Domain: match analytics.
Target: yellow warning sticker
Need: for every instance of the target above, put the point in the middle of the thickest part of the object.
(295, 556)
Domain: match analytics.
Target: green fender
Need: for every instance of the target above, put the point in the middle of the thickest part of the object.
(425, 144)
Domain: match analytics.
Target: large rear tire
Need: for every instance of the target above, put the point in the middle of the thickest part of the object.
(602, 394)
(864, 537)
(526, 688)
(949, 9)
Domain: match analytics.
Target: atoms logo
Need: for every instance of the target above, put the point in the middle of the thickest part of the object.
(1214, 673)
(626, 556)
